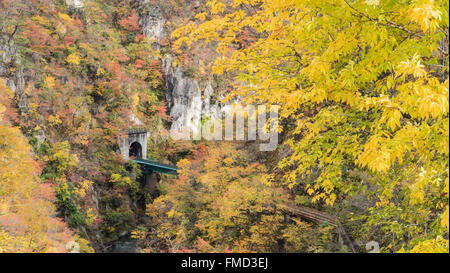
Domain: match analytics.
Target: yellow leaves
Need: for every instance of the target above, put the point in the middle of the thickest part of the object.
(228, 161)
(412, 67)
(317, 95)
(54, 120)
(377, 102)
(73, 59)
(10, 242)
(418, 188)
(437, 245)
(392, 118)
(33, 107)
(183, 166)
(65, 17)
(4, 89)
(373, 2)
(318, 69)
(90, 216)
(445, 220)
(446, 186)
(135, 99)
(347, 96)
(41, 20)
(60, 154)
(424, 99)
(5, 94)
(29, 226)
(4, 209)
(216, 7)
(201, 16)
(432, 104)
(425, 14)
(84, 245)
(171, 213)
(2, 109)
(100, 72)
(138, 234)
(115, 178)
(120, 180)
(376, 156)
(83, 188)
(331, 199)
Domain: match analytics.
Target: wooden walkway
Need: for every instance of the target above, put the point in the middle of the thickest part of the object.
(320, 218)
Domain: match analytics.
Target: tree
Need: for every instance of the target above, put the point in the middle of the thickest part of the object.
(364, 85)
(89, 73)
(28, 221)
(220, 203)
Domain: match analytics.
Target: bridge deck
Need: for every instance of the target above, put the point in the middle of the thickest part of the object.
(155, 166)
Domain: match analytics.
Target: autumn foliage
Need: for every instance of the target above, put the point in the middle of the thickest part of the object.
(28, 221)
(363, 90)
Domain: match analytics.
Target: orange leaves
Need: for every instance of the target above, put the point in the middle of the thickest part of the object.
(7, 112)
(27, 222)
(162, 112)
(82, 79)
(139, 63)
(130, 23)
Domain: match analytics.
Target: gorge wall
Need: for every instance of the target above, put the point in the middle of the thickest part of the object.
(181, 89)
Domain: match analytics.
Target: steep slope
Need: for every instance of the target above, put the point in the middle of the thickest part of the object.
(82, 73)
(28, 221)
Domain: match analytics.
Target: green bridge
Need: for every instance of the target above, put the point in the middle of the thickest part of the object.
(150, 166)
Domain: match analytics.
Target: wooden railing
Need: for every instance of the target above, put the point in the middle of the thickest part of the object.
(320, 218)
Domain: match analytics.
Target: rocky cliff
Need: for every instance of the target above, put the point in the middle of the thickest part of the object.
(12, 71)
(182, 92)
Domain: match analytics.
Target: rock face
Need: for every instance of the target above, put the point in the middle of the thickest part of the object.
(152, 21)
(75, 4)
(183, 94)
(12, 72)
(184, 97)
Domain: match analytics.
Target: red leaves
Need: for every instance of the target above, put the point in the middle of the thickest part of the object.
(45, 191)
(130, 23)
(66, 112)
(115, 68)
(69, 40)
(98, 221)
(139, 63)
(39, 40)
(161, 111)
(201, 151)
(139, 38)
(185, 250)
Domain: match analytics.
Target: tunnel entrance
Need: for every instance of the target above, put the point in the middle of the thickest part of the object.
(135, 150)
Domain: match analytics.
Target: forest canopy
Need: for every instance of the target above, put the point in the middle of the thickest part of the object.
(363, 90)
(363, 93)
